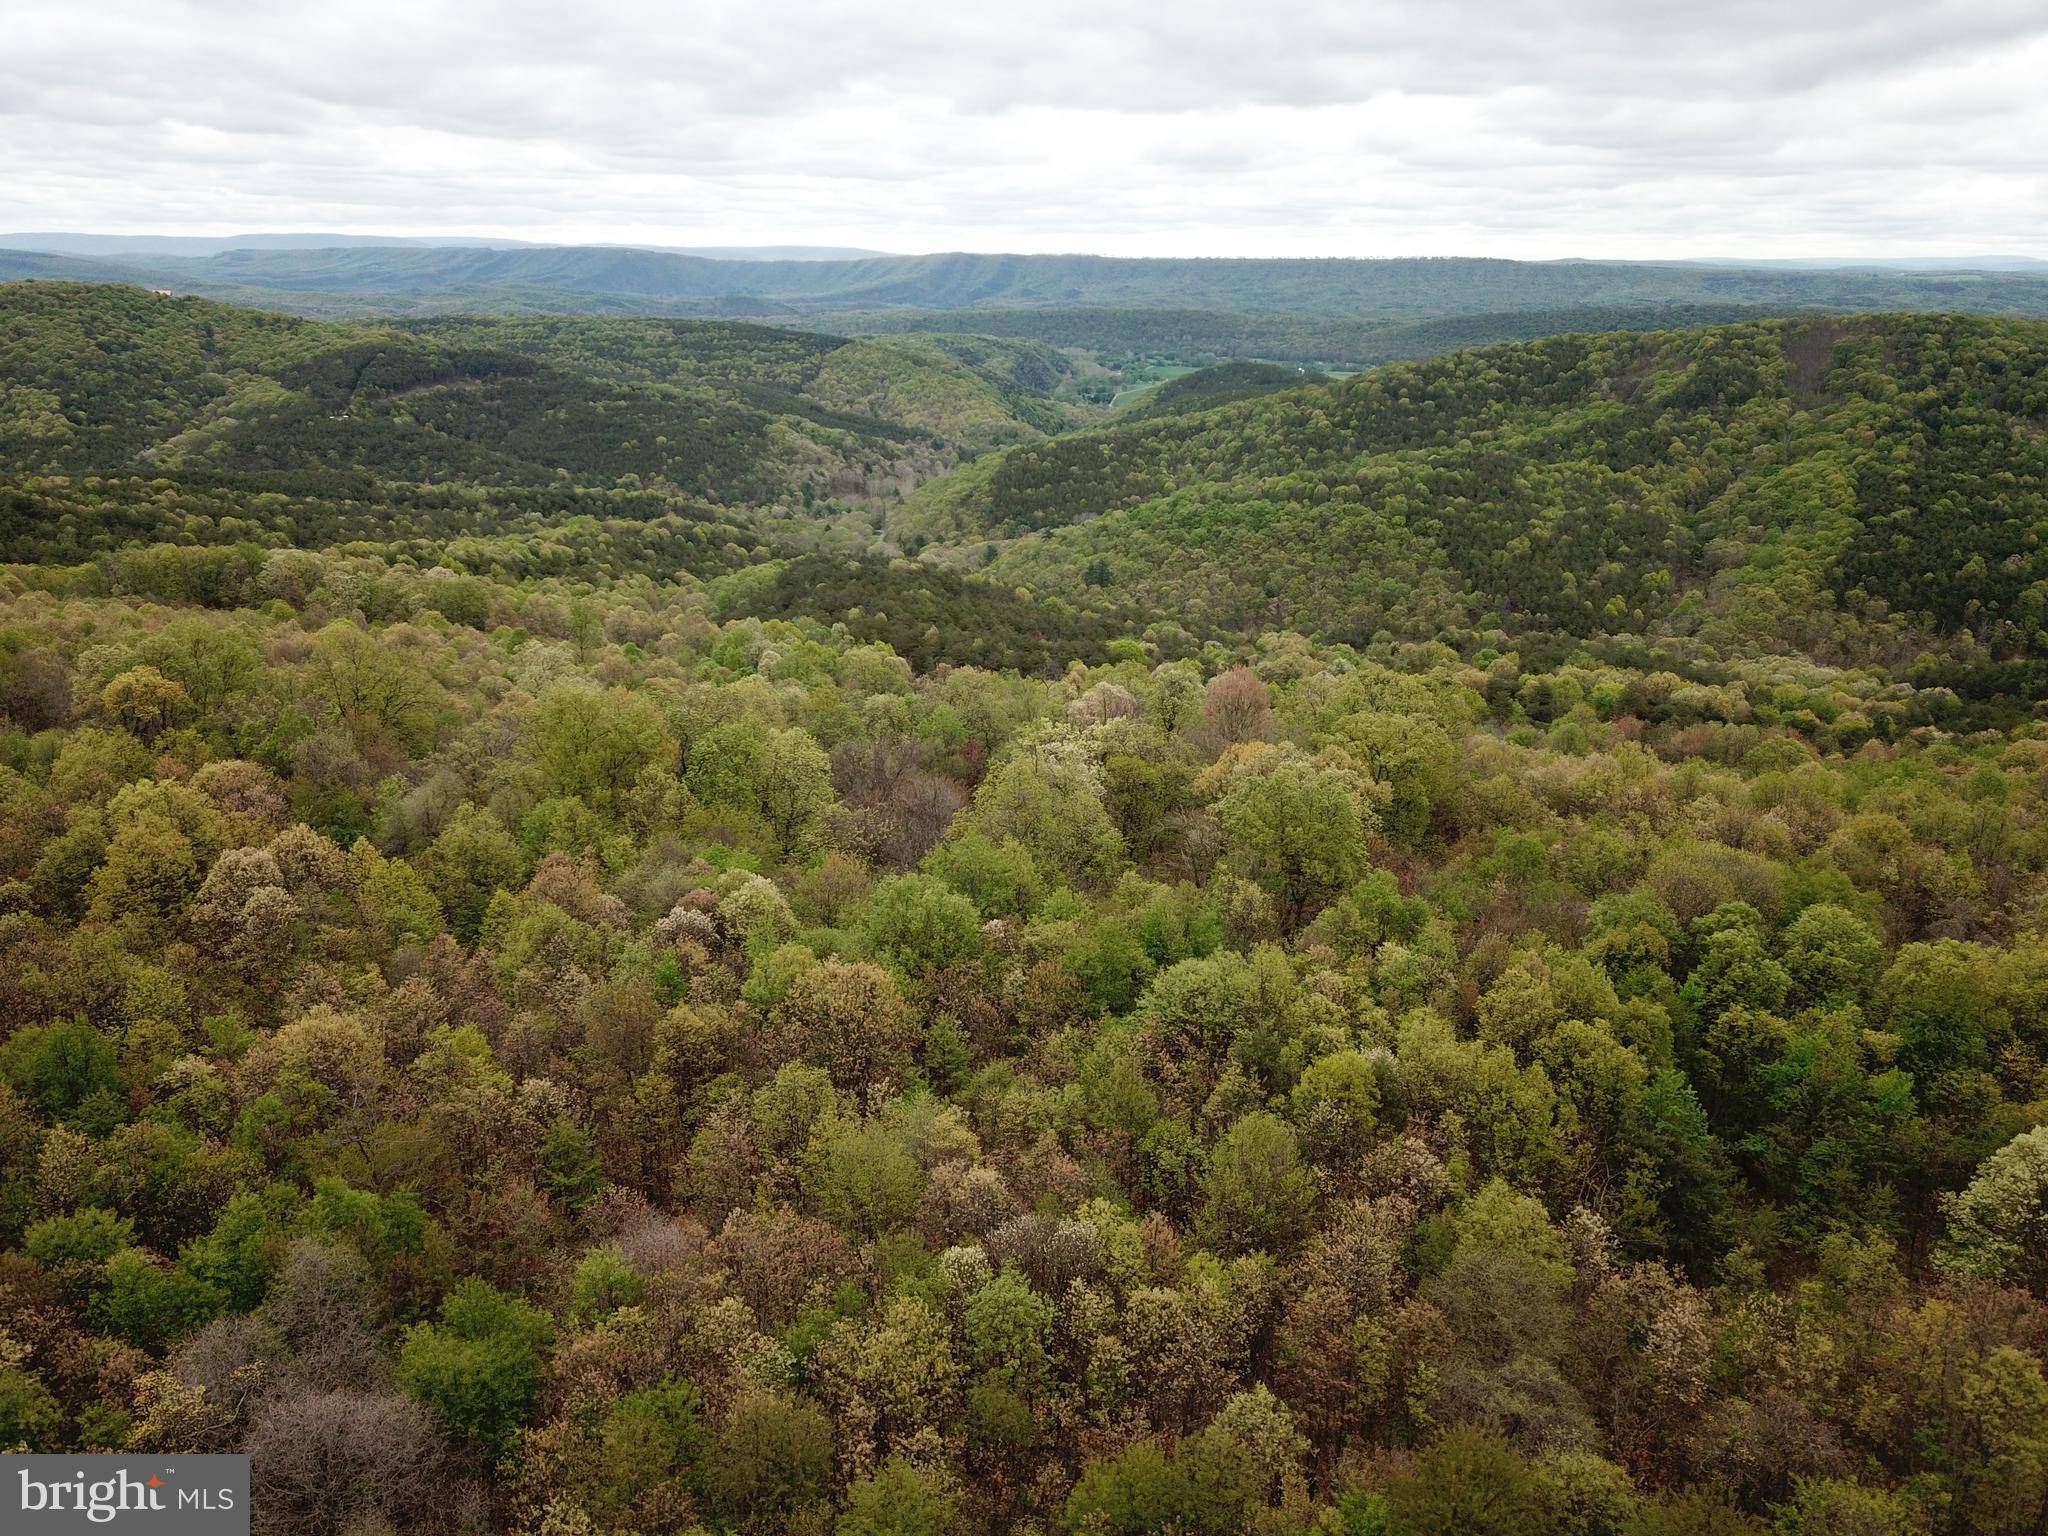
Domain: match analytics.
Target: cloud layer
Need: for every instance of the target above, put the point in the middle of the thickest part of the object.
(1496, 127)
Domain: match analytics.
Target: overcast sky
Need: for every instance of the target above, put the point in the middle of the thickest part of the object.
(1499, 127)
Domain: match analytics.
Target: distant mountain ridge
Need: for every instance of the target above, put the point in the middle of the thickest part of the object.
(624, 279)
(1980, 263)
(74, 243)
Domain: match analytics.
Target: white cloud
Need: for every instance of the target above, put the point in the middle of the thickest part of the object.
(1504, 127)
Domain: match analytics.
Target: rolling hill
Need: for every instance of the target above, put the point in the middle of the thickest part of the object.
(607, 451)
(1206, 336)
(1846, 487)
(1828, 485)
(1127, 316)
(1220, 384)
(104, 377)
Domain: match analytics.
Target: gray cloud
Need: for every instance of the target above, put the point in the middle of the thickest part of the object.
(1510, 127)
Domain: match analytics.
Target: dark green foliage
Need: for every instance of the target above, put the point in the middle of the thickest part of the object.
(929, 615)
(65, 1069)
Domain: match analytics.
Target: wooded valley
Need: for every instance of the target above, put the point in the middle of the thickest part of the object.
(655, 923)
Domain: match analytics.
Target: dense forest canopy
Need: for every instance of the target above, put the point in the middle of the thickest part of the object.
(1455, 951)
(106, 378)
(1855, 489)
(1212, 336)
(1219, 384)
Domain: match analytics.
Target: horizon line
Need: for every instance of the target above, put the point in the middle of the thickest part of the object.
(836, 250)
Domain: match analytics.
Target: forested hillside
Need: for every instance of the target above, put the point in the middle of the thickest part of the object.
(1454, 952)
(654, 450)
(1208, 336)
(105, 378)
(1206, 388)
(1845, 487)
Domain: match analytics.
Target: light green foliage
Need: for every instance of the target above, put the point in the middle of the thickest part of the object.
(151, 1305)
(1831, 954)
(1467, 1484)
(1334, 1107)
(478, 1369)
(1258, 1196)
(782, 776)
(772, 1461)
(1299, 832)
(1051, 803)
(864, 1179)
(648, 1442)
(1586, 1495)
(247, 1246)
(469, 863)
(1146, 1489)
(1998, 1223)
(999, 878)
(916, 925)
(595, 744)
(603, 1283)
(898, 1500)
(28, 1413)
(1008, 1331)
(83, 1239)
(1832, 1507)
